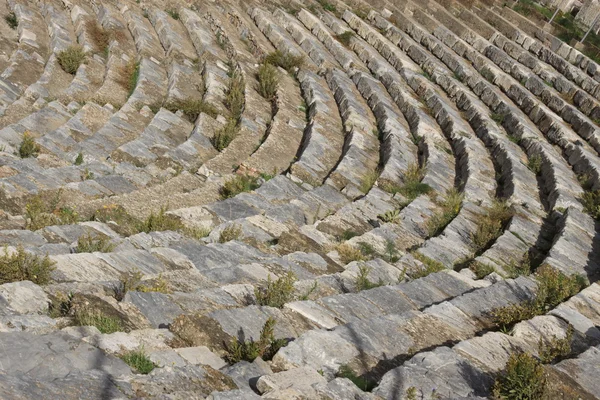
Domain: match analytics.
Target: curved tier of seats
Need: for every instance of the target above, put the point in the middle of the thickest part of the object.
(339, 233)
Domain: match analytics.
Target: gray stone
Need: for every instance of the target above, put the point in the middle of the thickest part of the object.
(25, 297)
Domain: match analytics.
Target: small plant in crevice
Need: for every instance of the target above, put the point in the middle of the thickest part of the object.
(450, 208)
(192, 108)
(128, 76)
(327, 6)
(78, 159)
(103, 322)
(28, 147)
(362, 280)
(276, 293)
(235, 96)
(362, 383)
(173, 12)
(94, 243)
(430, 266)
(98, 35)
(553, 287)
(231, 232)
(490, 225)
(534, 163)
(368, 180)
(345, 37)
(480, 270)
(523, 378)
(224, 136)
(161, 221)
(268, 81)
(71, 58)
(11, 20)
(498, 118)
(591, 203)
(20, 265)
(44, 210)
(349, 254)
(286, 61)
(521, 268)
(554, 350)
(139, 361)
(390, 216)
(238, 184)
(240, 349)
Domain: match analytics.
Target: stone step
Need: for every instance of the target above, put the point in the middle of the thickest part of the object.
(361, 346)
(486, 356)
(172, 35)
(361, 148)
(146, 40)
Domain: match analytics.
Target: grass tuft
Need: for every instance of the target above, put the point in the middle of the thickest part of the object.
(286, 61)
(249, 350)
(268, 81)
(232, 232)
(348, 253)
(71, 58)
(104, 323)
(344, 38)
(362, 279)
(11, 20)
(276, 293)
(28, 147)
(239, 184)
(450, 208)
(139, 361)
(523, 378)
(90, 244)
(161, 221)
(22, 266)
(192, 108)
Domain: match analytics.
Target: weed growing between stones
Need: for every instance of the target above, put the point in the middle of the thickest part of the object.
(553, 287)
(94, 243)
(98, 35)
(534, 163)
(239, 184)
(348, 253)
(344, 38)
(42, 211)
(128, 76)
(368, 180)
(268, 81)
(28, 147)
(346, 372)
(139, 361)
(78, 159)
(11, 20)
(231, 232)
(104, 323)
(19, 265)
(480, 270)
(489, 226)
(363, 282)
(161, 221)
(523, 378)
(555, 349)
(192, 108)
(249, 349)
(276, 293)
(450, 208)
(431, 266)
(591, 203)
(71, 58)
(286, 61)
